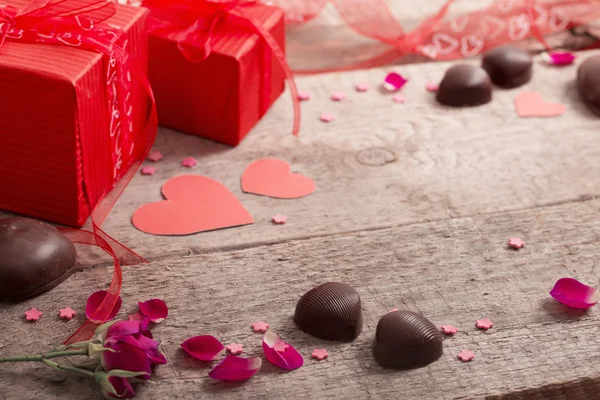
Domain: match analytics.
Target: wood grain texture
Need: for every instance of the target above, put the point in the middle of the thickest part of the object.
(453, 272)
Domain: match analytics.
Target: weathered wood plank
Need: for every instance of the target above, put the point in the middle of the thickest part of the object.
(453, 271)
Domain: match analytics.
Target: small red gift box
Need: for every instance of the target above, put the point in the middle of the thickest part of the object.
(213, 74)
(72, 117)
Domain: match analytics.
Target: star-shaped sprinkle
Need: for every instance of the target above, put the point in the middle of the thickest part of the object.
(260, 326)
(432, 87)
(484, 324)
(281, 346)
(33, 315)
(320, 354)
(466, 355)
(362, 87)
(325, 117)
(515, 243)
(155, 156)
(303, 96)
(399, 98)
(66, 313)
(449, 330)
(279, 219)
(189, 162)
(148, 171)
(338, 96)
(235, 348)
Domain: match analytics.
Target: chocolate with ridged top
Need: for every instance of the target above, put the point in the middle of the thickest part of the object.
(331, 311)
(34, 258)
(588, 83)
(406, 340)
(465, 85)
(508, 66)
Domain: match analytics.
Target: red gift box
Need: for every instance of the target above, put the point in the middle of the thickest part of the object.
(220, 77)
(68, 130)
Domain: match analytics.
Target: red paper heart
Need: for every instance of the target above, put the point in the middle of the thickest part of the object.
(193, 204)
(531, 104)
(273, 178)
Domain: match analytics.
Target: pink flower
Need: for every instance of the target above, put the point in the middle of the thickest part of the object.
(126, 354)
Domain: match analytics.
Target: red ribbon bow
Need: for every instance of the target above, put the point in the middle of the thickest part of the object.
(78, 23)
(193, 24)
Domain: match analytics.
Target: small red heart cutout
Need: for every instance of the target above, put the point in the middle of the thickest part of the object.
(531, 104)
(273, 178)
(193, 204)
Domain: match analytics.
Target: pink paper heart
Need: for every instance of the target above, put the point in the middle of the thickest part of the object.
(273, 178)
(193, 204)
(531, 104)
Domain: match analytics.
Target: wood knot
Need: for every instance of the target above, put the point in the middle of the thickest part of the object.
(375, 156)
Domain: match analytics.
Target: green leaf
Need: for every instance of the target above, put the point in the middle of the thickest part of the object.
(101, 330)
(108, 387)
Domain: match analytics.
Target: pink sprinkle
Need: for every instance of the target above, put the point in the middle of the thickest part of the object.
(260, 326)
(432, 87)
(399, 99)
(189, 162)
(66, 313)
(320, 354)
(281, 346)
(33, 315)
(148, 171)
(326, 117)
(449, 330)
(362, 87)
(235, 348)
(466, 355)
(484, 324)
(279, 219)
(303, 96)
(338, 96)
(561, 58)
(394, 82)
(516, 243)
(393, 309)
(155, 156)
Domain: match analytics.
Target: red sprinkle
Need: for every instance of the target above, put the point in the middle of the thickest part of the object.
(33, 315)
(515, 243)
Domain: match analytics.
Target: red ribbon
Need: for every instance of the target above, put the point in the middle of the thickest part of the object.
(440, 39)
(194, 24)
(78, 23)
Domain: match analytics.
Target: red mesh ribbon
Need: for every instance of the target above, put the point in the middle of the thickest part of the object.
(439, 38)
(195, 24)
(78, 23)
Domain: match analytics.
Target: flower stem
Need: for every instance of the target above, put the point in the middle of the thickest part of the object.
(42, 357)
(69, 368)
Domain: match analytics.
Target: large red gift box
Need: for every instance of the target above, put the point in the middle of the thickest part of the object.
(62, 149)
(220, 97)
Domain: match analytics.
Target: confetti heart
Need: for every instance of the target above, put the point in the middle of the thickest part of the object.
(531, 104)
(193, 204)
(273, 178)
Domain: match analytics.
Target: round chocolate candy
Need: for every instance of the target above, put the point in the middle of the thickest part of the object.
(34, 258)
(331, 311)
(508, 66)
(465, 85)
(406, 340)
(588, 83)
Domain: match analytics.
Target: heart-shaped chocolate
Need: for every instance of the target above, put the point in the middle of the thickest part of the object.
(588, 83)
(331, 311)
(508, 66)
(406, 340)
(465, 85)
(34, 258)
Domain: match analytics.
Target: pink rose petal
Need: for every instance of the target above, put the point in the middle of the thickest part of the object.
(155, 309)
(288, 359)
(203, 348)
(574, 294)
(394, 82)
(94, 301)
(234, 368)
(561, 58)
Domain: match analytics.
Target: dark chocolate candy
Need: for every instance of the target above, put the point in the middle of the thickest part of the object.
(406, 340)
(508, 66)
(331, 311)
(34, 258)
(588, 83)
(464, 86)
